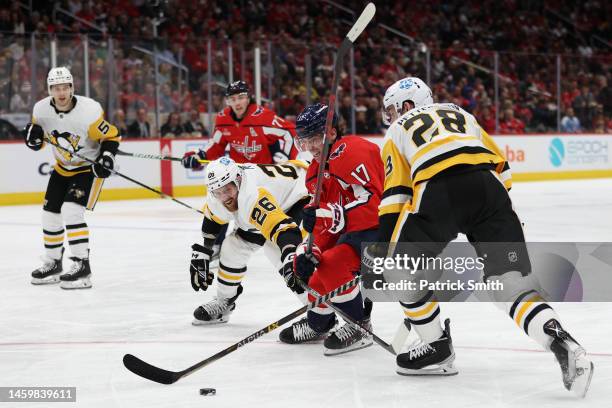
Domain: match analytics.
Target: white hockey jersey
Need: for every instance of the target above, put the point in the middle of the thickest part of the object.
(266, 193)
(80, 129)
(428, 140)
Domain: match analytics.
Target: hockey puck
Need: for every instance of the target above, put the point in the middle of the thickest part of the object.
(208, 391)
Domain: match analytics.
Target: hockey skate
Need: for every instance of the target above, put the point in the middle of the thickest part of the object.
(49, 272)
(216, 311)
(301, 332)
(576, 368)
(78, 277)
(435, 358)
(348, 338)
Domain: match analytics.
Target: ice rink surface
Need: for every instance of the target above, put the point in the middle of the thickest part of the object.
(141, 303)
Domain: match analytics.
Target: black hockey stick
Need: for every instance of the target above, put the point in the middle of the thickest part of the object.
(163, 195)
(159, 375)
(155, 156)
(349, 319)
(364, 19)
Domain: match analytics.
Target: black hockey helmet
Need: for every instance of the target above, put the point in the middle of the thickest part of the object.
(311, 121)
(237, 87)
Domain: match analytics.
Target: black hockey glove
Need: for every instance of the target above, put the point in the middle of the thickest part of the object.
(191, 159)
(305, 262)
(34, 136)
(201, 276)
(288, 274)
(104, 164)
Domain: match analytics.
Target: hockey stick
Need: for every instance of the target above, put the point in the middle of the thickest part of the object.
(364, 19)
(163, 195)
(154, 156)
(159, 375)
(349, 319)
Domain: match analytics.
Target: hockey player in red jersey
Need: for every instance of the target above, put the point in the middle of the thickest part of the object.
(346, 217)
(254, 134)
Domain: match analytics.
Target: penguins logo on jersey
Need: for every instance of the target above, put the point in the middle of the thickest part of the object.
(68, 141)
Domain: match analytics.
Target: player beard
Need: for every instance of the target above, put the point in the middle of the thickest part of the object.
(231, 204)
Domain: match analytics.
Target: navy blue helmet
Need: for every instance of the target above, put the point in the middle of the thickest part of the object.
(237, 87)
(311, 121)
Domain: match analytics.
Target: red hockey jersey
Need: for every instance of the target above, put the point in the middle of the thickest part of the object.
(354, 179)
(253, 139)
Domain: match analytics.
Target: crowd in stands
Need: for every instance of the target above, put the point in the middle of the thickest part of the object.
(459, 39)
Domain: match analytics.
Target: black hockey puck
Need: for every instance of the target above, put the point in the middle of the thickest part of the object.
(208, 391)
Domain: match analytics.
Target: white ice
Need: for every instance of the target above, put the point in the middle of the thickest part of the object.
(141, 303)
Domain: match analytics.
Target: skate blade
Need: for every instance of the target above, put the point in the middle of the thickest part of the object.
(353, 347)
(581, 383)
(197, 322)
(45, 281)
(442, 369)
(78, 284)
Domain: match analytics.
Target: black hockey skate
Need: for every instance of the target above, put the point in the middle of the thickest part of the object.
(576, 368)
(78, 277)
(348, 338)
(49, 272)
(301, 332)
(216, 311)
(435, 358)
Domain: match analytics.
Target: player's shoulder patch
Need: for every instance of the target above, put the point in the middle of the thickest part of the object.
(338, 151)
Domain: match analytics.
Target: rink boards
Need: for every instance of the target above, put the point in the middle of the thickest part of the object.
(24, 173)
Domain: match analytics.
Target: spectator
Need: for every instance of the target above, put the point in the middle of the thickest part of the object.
(510, 124)
(194, 127)
(584, 105)
(173, 128)
(362, 124)
(570, 122)
(119, 121)
(140, 127)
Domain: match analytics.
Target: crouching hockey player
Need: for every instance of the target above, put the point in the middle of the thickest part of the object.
(265, 201)
(346, 217)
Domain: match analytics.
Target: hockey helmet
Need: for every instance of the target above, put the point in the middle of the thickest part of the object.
(237, 87)
(60, 75)
(409, 89)
(311, 121)
(221, 172)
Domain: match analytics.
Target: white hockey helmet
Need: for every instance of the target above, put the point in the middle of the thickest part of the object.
(59, 75)
(221, 172)
(410, 89)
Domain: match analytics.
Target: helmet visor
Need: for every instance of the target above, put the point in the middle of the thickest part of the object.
(305, 144)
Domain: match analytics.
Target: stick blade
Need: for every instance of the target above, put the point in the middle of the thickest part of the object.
(148, 371)
(364, 19)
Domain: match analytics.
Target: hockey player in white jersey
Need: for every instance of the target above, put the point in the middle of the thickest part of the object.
(77, 124)
(265, 202)
(444, 175)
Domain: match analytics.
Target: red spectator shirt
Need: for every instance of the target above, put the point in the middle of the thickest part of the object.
(253, 139)
(354, 179)
(513, 126)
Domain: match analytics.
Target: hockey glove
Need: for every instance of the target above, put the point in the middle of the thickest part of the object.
(304, 262)
(191, 159)
(34, 136)
(104, 164)
(330, 216)
(201, 276)
(288, 274)
(369, 255)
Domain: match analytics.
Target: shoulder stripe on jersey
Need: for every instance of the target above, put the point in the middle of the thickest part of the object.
(397, 190)
(474, 150)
